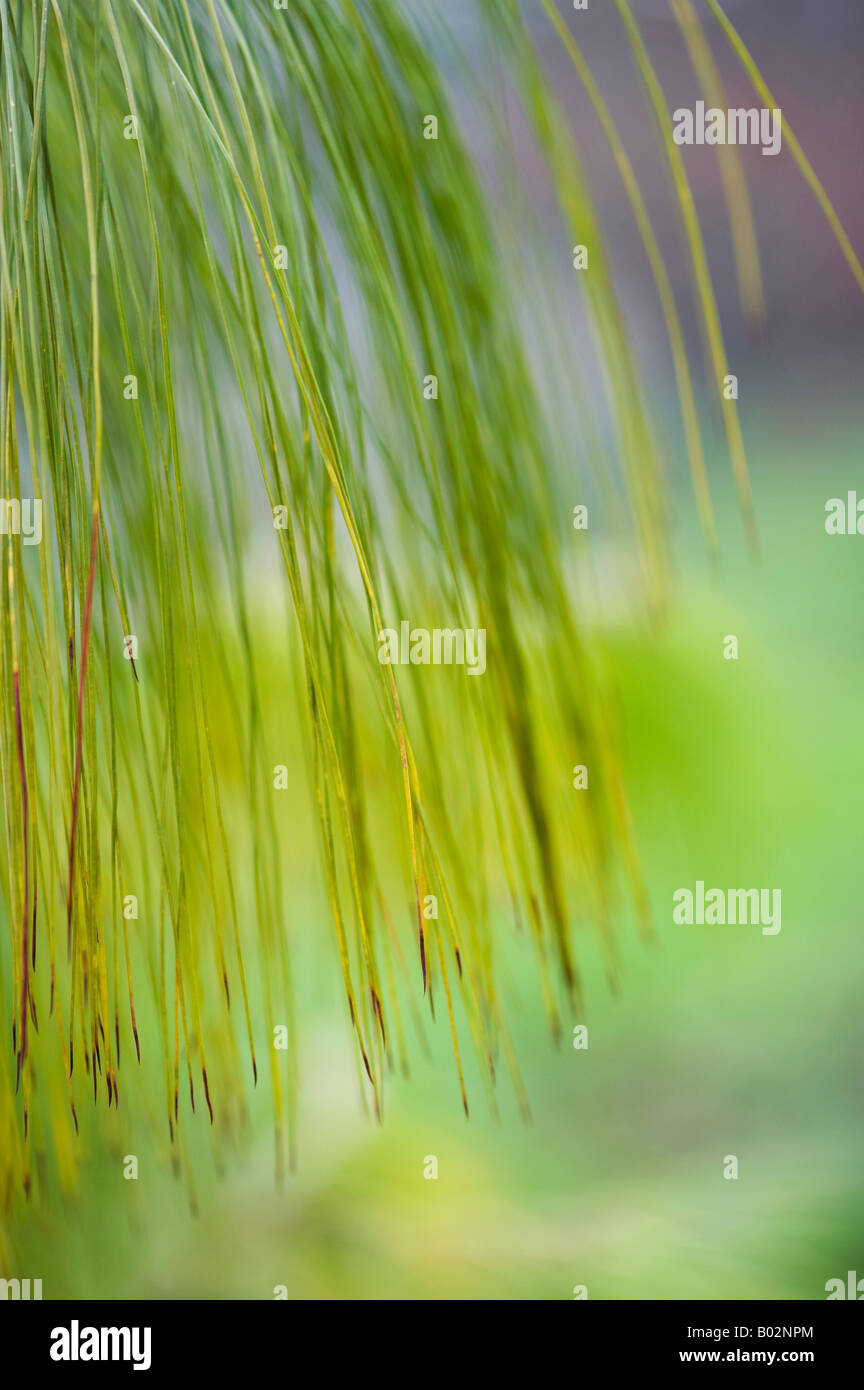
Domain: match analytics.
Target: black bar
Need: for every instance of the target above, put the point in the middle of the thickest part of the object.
(243, 1337)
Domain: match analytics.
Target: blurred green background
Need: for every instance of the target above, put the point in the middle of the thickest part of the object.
(720, 1041)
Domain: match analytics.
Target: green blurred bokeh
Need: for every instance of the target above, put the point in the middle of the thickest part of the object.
(719, 1040)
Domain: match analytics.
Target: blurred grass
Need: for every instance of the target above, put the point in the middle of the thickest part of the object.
(299, 383)
(719, 1042)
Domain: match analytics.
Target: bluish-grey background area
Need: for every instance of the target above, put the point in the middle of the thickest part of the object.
(810, 54)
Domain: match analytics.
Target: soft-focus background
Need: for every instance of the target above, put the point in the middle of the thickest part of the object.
(719, 1041)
